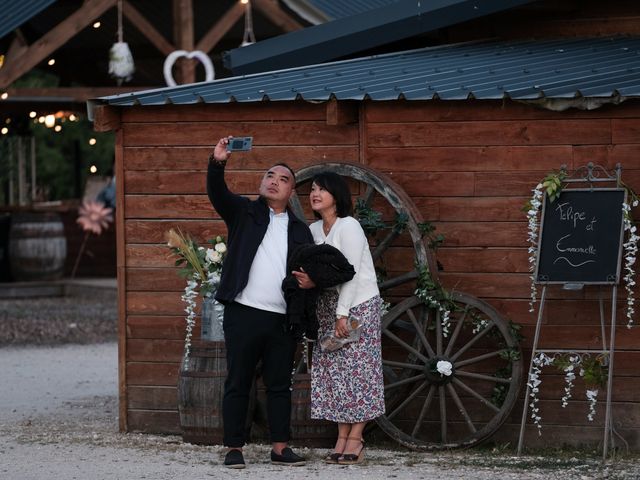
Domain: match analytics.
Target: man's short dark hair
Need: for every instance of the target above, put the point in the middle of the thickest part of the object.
(336, 186)
(288, 168)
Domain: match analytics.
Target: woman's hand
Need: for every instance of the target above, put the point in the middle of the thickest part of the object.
(220, 151)
(304, 281)
(342, 330)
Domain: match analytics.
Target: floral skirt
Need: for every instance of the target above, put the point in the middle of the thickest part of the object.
(347, 384)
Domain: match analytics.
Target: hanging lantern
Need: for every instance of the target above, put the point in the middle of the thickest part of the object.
(121, 66)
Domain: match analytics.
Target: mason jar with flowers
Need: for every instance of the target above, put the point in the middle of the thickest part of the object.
(201, 267)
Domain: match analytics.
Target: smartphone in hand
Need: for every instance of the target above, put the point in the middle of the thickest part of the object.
(239, 144)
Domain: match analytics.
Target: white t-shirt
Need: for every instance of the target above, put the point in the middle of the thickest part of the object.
(347, 236)
(264, 287)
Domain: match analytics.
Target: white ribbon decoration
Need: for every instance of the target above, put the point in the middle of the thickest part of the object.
(197, 54)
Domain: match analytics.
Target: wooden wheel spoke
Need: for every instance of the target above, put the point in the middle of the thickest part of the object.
(405, 345)
(384, 244)
(475, 394)
(479, 358)
(399, 280)
(405, 381)
(463, 411)
(410, 366)
(406, 401)
(480, 376)
(443, 414)
(296, 206)
(456, 332)
(420, 332)
(423, 411)
(367, 197)
(475, 339)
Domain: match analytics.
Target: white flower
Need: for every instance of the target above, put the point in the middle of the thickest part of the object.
(444, 368)
(592, 396)
(213, 256)
(220, 247)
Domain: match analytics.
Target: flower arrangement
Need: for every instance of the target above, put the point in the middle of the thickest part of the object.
(201, 267)
(592, 369)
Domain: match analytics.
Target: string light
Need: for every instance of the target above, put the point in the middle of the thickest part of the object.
(72, 117)
(93, 169)
(51, 62)
(41, 119)
(4, 96)
(4, 130)
(32, 114)
(57, 128)
(49, 121)
(92, 141)
(97, 25)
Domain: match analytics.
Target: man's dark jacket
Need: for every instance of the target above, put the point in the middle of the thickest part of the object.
(327, 267)
(247, 221)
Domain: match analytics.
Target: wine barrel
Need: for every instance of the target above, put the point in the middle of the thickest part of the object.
(37, 246)
(200, 392)
(304, 430)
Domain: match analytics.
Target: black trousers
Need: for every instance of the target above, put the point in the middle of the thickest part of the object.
(250, 335)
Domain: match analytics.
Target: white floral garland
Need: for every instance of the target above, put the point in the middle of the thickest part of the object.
(630, 251)
(533, 225)
(592, 396)
(189, 298)
(542, 360)
(435, 303)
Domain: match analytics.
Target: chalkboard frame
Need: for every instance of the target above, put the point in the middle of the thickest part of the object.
(602, 281)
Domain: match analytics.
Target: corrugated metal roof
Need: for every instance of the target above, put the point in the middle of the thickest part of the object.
(335, 9)
(523, 70)
(17, 12)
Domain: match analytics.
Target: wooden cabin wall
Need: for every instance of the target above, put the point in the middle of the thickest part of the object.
(468, 166)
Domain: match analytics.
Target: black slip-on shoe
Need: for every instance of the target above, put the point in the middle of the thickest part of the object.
(288, 458)
(234, 459)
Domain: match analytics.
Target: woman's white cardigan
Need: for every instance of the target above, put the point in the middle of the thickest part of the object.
(347, 236)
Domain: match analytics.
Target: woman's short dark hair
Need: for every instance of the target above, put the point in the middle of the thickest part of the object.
(336, 186)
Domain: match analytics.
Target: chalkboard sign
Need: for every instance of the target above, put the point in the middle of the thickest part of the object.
(581, 237)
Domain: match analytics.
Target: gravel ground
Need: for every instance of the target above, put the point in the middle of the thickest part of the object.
(58, 419)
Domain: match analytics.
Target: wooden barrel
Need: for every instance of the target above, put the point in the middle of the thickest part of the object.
(200, 392)
(37, 246)
(304, 430)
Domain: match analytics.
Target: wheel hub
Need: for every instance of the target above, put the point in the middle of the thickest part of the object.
(432, 374)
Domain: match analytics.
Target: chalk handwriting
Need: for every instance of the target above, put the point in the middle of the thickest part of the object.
(567, 214)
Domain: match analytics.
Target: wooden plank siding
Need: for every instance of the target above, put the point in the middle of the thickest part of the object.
(468, 166)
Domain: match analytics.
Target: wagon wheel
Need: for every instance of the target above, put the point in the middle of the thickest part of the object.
(427, 410)
(379, 184)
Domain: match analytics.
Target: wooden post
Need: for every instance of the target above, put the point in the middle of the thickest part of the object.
(33, 169)
(183, 38)
(22, 172)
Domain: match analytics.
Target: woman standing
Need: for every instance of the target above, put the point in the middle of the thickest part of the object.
(346, 384)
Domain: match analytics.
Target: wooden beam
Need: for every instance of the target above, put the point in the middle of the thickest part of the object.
(18, 46)
(277, 15)
(341, 113)
(106, 118)
(67, 94)
(210, 39)
(15, 67)
(148, 30)
(183, 38)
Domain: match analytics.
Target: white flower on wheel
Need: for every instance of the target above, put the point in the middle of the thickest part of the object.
(444, 368)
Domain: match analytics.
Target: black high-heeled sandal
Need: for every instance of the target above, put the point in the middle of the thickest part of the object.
(353, 458)
(334, 456)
